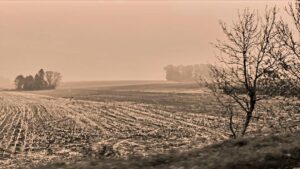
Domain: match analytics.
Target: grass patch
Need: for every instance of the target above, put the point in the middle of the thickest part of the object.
(275, 151)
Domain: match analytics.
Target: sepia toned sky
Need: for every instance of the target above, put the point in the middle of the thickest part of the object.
(111, 40)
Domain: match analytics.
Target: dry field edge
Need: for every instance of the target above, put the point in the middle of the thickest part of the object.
(275, 151)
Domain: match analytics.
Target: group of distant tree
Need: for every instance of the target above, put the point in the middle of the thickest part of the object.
(185, 73)
(41, 81)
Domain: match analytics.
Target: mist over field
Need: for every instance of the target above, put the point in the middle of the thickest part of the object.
(6, 83)
(149, 84)
(107, 40)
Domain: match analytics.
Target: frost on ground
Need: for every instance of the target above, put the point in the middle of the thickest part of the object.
(36, 128)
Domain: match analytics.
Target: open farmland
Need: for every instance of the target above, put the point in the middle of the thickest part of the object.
(185, 97)
(122, 121)
(39, 128)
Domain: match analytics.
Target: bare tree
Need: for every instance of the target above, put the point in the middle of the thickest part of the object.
(39, 79)
(289, 42)
(244, 63)
(53, 79)
(29, 83)
(19, 82)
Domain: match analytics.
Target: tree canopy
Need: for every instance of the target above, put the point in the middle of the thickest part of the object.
(41, 81)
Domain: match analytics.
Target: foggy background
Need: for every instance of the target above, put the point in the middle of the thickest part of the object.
(111, 40)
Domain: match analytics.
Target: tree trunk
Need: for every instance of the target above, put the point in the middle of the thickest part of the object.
(246, 124)
(231, 123)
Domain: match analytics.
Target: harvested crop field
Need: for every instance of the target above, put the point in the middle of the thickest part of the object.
(37, 128)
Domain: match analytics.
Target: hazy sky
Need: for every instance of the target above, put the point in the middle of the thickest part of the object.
(111, 40)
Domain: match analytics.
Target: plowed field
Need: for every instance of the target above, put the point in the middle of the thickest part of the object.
(37, 128)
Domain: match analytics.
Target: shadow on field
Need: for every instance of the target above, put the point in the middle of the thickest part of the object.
(277, 152)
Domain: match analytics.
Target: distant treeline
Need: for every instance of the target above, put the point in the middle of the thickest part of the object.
(185, 73)
(41, 81)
